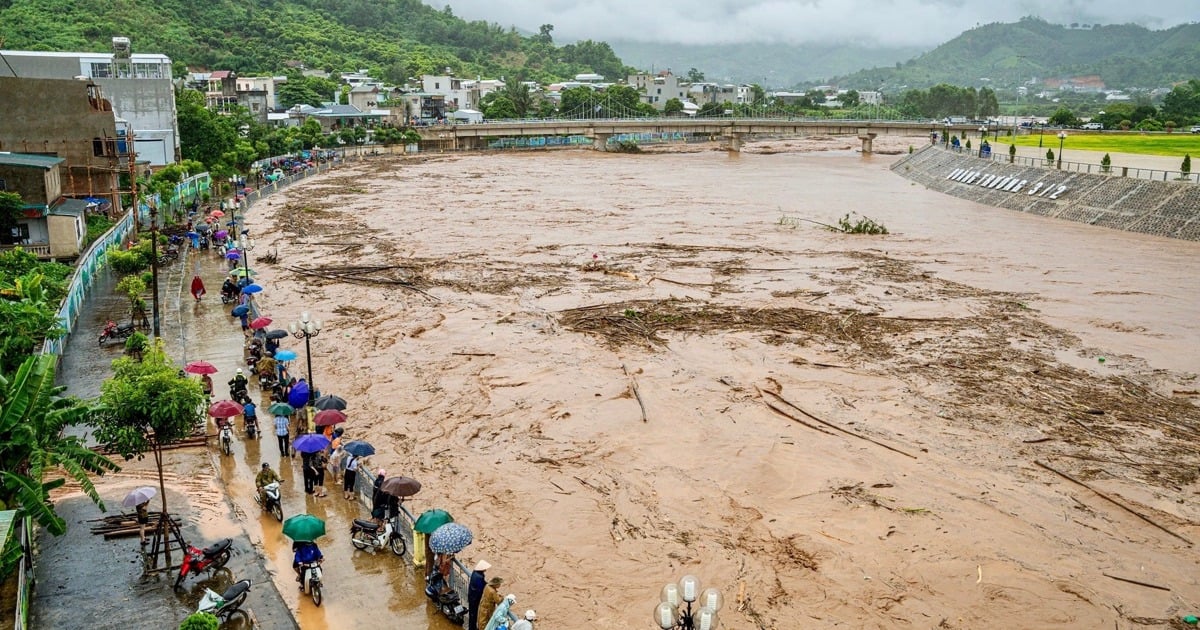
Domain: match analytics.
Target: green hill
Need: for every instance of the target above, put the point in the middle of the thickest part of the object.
(395, 39)
(1124, 56)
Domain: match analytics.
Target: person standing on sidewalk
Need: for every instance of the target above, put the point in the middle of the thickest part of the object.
(282, 427)
(475, 593)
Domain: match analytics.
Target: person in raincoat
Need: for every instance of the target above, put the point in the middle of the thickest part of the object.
(475, 589)
(197, 288)
(502, 614)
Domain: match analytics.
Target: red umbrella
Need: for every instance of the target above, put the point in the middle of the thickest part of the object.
(329, 416)
(225, 409)
(217, 213)
(200, 367)
(260, 322)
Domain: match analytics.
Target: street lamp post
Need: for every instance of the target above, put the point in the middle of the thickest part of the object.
(307, 329)
(946, 136)
(1062, 137)
(1041, 133)
(245, 244)
(982, 138)
(686, 593)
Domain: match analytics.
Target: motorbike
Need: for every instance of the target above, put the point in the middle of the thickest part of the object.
(239, 394)
(272, 505)
(225, 436)
(204, 242)
(448, 603)
(252, 431)
(310, 580)
(224, 606)
(367, 534)
(197, 559)
(228, 296)
(113, 331)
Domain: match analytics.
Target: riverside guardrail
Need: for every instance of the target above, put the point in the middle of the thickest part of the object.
(1084, 167)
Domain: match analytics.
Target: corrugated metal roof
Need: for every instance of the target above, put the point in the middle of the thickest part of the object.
(69, 208)
(29, 159)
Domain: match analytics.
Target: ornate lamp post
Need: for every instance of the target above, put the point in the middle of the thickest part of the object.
(307, 329)
(1062, 137)
(687, 592)
(245, 244)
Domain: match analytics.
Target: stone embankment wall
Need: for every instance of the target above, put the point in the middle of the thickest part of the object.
(1136, 205)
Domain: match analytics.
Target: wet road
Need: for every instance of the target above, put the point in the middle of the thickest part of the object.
(360, 587)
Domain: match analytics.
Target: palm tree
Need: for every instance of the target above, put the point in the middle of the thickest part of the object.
(32, 445)
(519, 94)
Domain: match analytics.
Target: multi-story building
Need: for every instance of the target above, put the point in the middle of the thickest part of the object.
(456, 92)
(139, 87)
(658, 89)
(51, 225)
(72, 120)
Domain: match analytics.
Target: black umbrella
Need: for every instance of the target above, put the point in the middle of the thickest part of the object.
(400, 486)
(278, 333)
(329, 401)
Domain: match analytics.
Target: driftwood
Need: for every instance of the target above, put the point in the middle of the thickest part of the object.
(363, 275)
(1132, 581)
(696, 285)
(789, 416)
(187, 442)
(836, 427)
(1112, 500)
(636, 394)
(473, 354)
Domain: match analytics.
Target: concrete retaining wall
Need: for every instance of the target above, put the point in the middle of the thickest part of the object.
(1136, 205)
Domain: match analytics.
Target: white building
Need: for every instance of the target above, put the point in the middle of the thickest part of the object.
(658, 89)
(458, 92)
(138, 85)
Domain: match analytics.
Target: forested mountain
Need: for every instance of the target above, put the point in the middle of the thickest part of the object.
(396, 39)
(1124, 56)
(773, 65)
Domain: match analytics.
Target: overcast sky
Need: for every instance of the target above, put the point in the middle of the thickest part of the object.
(890, 22)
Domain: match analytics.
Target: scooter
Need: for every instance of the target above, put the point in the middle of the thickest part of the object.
(252, 427)
(197, 559)
(239, 394)
(366, 534)
(310, 580)
(225, 436)
(113, 331)
(448, 603)
(272, 505)
(223, 606)
(228, 296)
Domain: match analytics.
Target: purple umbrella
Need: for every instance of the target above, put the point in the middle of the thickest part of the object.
(298, 397)
(311, 443)
(232, 255)
(221, 234)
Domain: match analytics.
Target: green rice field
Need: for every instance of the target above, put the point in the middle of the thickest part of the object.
(1169, 144)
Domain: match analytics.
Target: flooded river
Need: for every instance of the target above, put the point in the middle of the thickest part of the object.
(838, 430)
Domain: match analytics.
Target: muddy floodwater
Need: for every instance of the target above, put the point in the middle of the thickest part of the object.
(620, 369)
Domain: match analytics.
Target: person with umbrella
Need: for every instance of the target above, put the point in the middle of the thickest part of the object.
(139, 498)
(304, 530)
(352, 463)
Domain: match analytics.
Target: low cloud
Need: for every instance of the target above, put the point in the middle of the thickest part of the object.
(885, 22)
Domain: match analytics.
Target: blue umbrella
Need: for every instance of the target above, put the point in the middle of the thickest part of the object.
(298, 397)
(285, 355)
(193, 235)
(232, 255)
(240, 310)
(311, 443)
(359, 448)
(450, 538)
(252, 288)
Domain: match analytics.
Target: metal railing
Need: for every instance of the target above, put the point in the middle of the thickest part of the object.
(1082, 167)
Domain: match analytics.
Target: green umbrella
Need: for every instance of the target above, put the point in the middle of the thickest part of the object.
(304, 528)
(281, 409)
(430, 520)
(241, 271)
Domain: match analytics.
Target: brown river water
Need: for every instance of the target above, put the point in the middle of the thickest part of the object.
(838, 430)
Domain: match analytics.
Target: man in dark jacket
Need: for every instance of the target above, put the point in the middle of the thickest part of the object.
(475, 593)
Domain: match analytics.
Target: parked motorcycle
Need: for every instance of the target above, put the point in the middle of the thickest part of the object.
(197, 559)
(448, 603)
(225, 436)
(367, 534)
(113, 331)
(223, 606)
(272, 505)
(310, 580)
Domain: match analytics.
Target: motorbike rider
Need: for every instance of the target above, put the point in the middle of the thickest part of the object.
(250, 415)
(265, 477)
(238, 383)
(229, 289)
(305, 552)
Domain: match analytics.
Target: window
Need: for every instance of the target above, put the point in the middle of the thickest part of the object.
(20, 233)
(437, 86)
(3, 184)
(102, 70)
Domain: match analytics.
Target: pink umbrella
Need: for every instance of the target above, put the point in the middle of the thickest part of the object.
(225, 409)
(216, 213)
(328, 417)
(260, 322)
(200, 367)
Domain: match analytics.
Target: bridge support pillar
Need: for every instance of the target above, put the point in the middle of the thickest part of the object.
(599, 140)
(868, 140)
(734, 141)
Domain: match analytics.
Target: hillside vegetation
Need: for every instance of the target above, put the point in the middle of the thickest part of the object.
(1123, 56)
(396, 39)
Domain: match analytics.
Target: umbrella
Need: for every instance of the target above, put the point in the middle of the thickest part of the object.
(216, 213)
(260, 322)
(239, 310)
(225, 409)
(400, 486)
(192, 235)
(221, 233)
(251, 289)
(330, 416)
(241, 271)
(430, 520)
(450, 538)
(232, 255)
(298, 397)
(200, 367)
(311, 443)
(282, 355)
(304, 528)
(329, 401)
(281, 409)
(278, 333)
(358, 448)
(139, 496)
(203, 228)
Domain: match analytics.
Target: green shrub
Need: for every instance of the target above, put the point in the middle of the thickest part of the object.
(200, 621)
(1186, 166)
(126, 262)
(864, 225)
(1049, 156)
(624, 146)
(137, 343)
(97, 225)
(1105, 163)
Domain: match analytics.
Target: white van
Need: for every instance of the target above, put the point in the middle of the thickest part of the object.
(1094, 126)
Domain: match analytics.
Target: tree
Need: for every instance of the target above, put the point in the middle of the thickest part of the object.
(33, 415)
(27, 316)
(1186, 166)
(694, 76)
(204, 136)
(11, 206)
(672, 107)
(850, 99)
(1049, 156)
(757, 94)
(711, 109)
(1106, 163)
(988, 106)
(145, 406)
(519, 95)
(1063, 118)
(498, 107)
(544, 34)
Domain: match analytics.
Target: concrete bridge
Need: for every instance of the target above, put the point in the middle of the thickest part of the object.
(732, 131)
